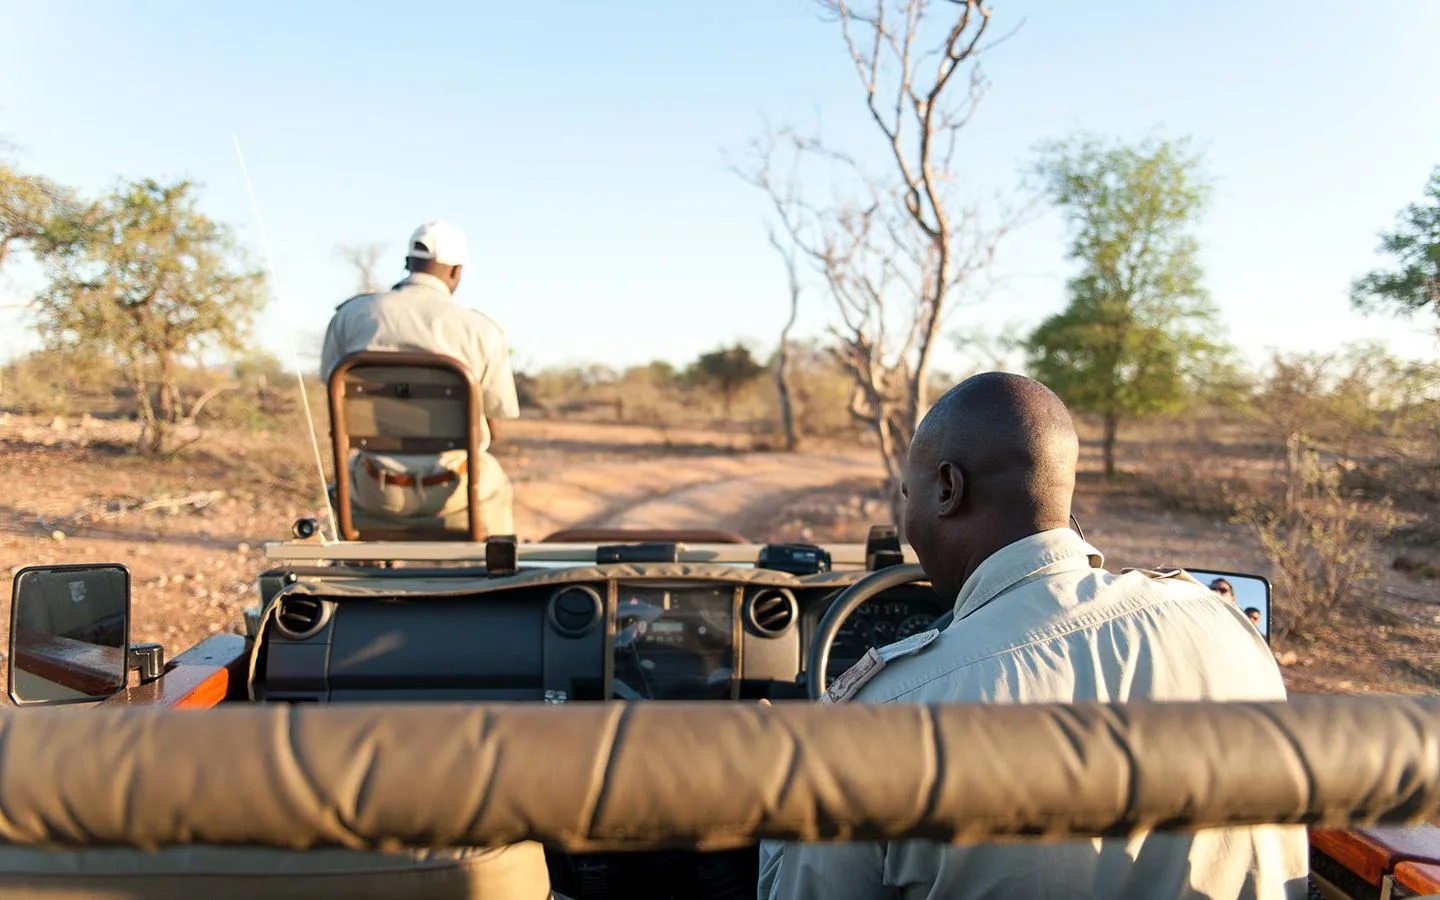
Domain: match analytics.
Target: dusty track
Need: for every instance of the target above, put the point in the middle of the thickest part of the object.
(739, 493)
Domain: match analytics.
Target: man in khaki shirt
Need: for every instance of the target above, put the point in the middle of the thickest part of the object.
(988, 488)
(420, 314)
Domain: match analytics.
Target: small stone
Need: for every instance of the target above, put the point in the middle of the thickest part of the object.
(1288, 658)
(57, 535)
(242, 549)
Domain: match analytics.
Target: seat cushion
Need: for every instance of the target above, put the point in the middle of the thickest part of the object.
(221, 873)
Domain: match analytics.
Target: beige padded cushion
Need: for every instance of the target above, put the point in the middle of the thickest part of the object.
(592, 776)
(430, 417)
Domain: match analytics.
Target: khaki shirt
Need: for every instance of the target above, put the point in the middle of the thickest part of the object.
(418, 314)
(1040, 621)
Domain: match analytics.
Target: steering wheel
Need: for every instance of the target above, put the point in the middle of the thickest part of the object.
(844, 605)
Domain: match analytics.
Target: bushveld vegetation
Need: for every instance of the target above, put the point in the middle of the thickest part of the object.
(141, 286)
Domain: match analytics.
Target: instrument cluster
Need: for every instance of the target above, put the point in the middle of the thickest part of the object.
(893, 616)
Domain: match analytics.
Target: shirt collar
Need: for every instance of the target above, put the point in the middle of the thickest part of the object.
(426, 279)
(1058, 549)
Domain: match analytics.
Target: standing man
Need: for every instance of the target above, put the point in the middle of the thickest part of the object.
(988, 487)
(420, 314)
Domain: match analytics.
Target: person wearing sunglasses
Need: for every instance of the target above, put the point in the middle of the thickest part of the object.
(1222, 587)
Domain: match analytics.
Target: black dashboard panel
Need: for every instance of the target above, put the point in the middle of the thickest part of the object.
(627, 638)
(675, 642)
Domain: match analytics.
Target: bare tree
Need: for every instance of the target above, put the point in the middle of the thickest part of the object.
(364, 258)
(897, 250)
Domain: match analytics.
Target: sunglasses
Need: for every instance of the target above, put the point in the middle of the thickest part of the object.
(1221, 590)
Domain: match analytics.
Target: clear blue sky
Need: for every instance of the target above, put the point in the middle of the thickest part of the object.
(579, 144)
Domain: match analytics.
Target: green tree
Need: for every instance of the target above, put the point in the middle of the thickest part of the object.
(162, 282)
(1138, 329)
(1415, 245)
(726, 370)
(38, 213)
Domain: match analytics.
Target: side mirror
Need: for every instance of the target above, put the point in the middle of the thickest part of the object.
(1250, 593)
(70, 635)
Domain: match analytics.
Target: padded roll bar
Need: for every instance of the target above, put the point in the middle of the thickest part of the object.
(633, 776)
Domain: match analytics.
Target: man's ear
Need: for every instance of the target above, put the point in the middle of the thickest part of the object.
(951, 483)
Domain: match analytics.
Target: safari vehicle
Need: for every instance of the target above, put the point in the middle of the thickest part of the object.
(596, 692)
(532, 641)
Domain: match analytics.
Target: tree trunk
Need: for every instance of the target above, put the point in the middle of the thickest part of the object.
(1294, 471)
(170, 408)
(152, 427)
(782, 387)
(894, 451)
(782, 365)
(1112, 427)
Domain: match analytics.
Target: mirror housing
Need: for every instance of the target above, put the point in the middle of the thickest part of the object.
(70, 634)
(1251, 593)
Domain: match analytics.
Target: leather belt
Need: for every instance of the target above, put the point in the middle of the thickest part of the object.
(400, 480)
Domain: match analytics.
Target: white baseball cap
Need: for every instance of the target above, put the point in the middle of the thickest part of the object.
(440, 241)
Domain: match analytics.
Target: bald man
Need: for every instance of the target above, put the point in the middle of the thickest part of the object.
(988, 487)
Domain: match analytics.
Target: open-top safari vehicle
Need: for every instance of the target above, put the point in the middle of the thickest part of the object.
(593, 696)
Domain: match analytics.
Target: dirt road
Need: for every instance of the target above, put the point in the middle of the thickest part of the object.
(745, 493)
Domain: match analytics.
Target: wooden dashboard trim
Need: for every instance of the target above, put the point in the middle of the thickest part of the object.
(1373, 853)
(207, 674)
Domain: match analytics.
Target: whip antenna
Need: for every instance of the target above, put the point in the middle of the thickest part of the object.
(294, 352)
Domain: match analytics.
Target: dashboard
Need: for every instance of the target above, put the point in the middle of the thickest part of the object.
(635, 632)
(647, 633)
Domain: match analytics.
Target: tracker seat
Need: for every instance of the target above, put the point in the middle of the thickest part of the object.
(404, 403)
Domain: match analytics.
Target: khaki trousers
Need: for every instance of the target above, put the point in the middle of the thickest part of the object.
(386, 500)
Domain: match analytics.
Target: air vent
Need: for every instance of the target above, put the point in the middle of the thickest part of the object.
(772, 611)
(575, 611)
(301, 617)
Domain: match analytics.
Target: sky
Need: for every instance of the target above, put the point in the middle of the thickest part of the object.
(582, 148)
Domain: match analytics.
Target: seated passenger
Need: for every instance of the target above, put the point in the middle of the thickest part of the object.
(420, 314)
(988, 485)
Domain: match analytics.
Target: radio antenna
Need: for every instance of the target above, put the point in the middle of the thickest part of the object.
(294, 352)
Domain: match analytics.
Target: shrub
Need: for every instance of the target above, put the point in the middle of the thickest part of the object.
(1321, 544)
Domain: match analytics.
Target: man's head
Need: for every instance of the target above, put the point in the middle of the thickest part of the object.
(438, 248)
(992, 462)
(1222, 587)
(1254, 615)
